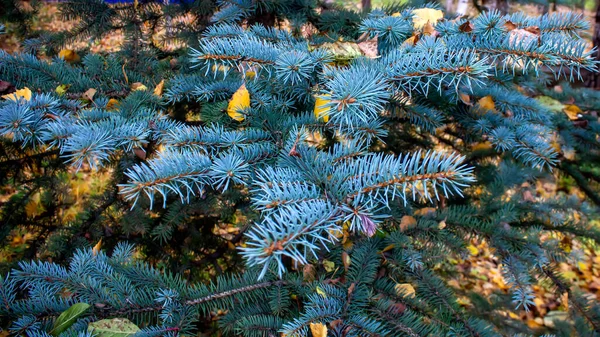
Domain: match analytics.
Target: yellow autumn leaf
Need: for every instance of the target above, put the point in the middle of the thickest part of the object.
(96, 248)
(321, 291)
(572, 111)
(396, 14)
(239, 102)
(388, 248)
(62, 89)
(328, 265)
(487, 103)
(158, 90)
(321, 108)
(482, 146)
(346, 261)
(112, 104)
(138, 86)
(473, 250)
(24, 93)
(405, 289)
(423, 15)
(250, 74)
(318, 329)
(69, 55)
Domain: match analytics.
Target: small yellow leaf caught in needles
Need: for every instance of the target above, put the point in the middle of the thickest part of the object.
(24, 93)
(318, 329)
(158, 90)
(239, 102)
(96, 248)
(69, 55)
(321, 109)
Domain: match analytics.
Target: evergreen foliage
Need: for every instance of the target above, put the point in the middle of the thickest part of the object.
(378, 166)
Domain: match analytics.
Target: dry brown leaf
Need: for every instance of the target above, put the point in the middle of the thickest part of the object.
(509, 25)
(428, 29)
(465, 98)
(140, 153)
(89, 94)
(425, 211)
(346, 261)
(369, 48)
(466, 27)
(407, 222)
(533, 30)
(138, 86)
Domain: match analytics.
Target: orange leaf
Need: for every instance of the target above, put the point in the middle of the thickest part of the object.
(69, 55)
(96, 248)
(318, 329)
(158, 90)
(487, 103)
(572, 111)
(407, 222)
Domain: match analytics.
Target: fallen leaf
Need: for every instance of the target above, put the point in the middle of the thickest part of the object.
(509, 25)
(533, 30)
(473, 250)
(96, 248)
(346, 261)
(572, 111)
(487, 103)
(405, 289)
(428, 29)
(321, 292)
(24, 93)
(328, 265)
(308, 272)
(465, 98)
(407, 222)
(425, 211)
(369, 48)
(140, 153)
(138, 86)
(62, 89)
(442, 224)
(112, 104)
(6, 88)
(89, 94)
(69, 55)
(321, 109)
(550, 103)
(422, 16)
(239, 102)
(466, 27)
(158, 90)
(318, 329)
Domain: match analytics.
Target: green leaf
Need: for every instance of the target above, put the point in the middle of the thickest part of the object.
(116, 327)
(68, 317)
